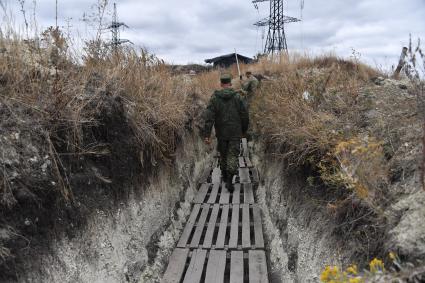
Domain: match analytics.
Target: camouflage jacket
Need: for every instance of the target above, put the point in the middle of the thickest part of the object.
(227, 112)
(250, 85)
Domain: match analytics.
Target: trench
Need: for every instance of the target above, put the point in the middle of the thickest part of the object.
(133, 242)
(298, 232)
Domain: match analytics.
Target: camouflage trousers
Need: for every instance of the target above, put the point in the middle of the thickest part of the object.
(229, 157)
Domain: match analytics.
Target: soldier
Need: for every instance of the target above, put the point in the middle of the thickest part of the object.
(249, 86)
(228, 113)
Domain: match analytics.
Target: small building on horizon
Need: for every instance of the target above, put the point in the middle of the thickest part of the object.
(228, 60)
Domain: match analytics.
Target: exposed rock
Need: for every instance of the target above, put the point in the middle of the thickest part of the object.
(408, 237)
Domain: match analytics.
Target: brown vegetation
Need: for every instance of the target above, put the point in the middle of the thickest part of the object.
(70, 126)
(336, 120)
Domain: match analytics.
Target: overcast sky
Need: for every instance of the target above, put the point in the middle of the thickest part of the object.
(189, 31)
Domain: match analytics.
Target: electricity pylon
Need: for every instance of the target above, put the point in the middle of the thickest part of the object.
(276, 38)
(115, 29)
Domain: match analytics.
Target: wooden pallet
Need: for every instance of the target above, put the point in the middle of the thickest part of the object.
(216, 266)
(248, 175)
(228, 226)
(245, 161)
(223, 237)
(218, 193)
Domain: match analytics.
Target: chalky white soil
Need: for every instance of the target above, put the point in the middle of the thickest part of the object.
(115, 245)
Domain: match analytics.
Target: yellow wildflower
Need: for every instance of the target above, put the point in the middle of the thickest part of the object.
(376, 265)
(330, 274)
(392, 256)
(352, 269)
(355, 280)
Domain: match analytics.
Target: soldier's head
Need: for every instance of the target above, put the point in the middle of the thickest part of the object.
(248, 74)
(226, 80)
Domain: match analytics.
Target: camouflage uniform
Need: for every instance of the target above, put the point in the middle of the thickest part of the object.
(249, 86)
(227, 112)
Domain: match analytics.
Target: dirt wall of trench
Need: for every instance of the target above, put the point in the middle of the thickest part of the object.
(117, 244)
(298, 230)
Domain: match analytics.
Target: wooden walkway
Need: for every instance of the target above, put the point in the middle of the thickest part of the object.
(223, 237)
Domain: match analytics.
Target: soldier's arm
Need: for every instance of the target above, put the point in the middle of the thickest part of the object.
(209, 118)
(241, 92)
(245, 86)
(243, 112)
(255, 84)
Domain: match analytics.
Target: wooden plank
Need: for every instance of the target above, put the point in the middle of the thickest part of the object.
(200, 196)
(258, 227)
(246, 233)
(234, 227)
(236, 267)
(241, 162)
(216, 176)
(200, 226)
(257, 267)
(244, 175)
(214, 193)
(221, 236)
(196, 266)
(189, 226)
(211, 227)
(216, 266)
(176, 266)
(225, 195)
(236, 194)
(248, 162)
(245, 151)
(248, 193)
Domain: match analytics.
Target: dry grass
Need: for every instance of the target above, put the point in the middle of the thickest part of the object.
(44, 80)
(310, 113)
(55, 104)
(334, 120)
(415, 70)
(308, 127)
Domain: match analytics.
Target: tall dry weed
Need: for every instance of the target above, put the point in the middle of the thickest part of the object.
(415, 71)
(65, 96)
(308, 109)
(309, 113)
(54, 104)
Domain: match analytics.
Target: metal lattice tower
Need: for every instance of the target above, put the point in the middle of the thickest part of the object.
(115, 29)
(276, 38)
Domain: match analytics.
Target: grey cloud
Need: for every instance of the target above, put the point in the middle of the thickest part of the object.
(208, 48)
(192, 30)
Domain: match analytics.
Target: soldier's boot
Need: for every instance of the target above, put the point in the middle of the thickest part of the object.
(229, 183)
(225, 178)
(224, 175)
